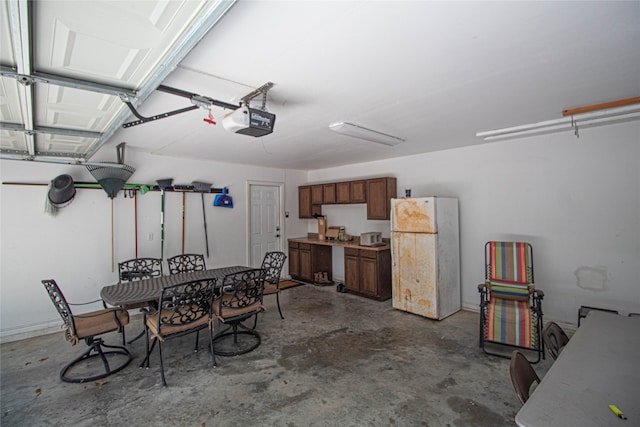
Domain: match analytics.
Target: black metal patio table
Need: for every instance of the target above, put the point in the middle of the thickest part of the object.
(147, 290)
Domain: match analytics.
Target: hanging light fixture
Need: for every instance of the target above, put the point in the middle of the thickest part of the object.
(355, 131)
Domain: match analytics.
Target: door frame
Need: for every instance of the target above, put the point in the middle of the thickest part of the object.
(281, 207)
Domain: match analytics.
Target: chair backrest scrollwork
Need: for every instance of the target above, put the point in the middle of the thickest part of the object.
(186, 262)
(272, 264)
(241, 291)
(139, 268)
(61, 304)
(185, 304)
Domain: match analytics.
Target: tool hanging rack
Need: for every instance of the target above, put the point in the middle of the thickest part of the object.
(142, 187)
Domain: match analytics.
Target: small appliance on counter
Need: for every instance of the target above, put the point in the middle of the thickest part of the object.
(372, 238)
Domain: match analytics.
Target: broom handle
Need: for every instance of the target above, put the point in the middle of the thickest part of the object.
(204, 218)
(183, 195)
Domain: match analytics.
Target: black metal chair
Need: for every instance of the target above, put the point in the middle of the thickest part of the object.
(186, 262)
(87, 326)
(182, 309)
(139, 269)
(272, 265)
(510, 304)
(523, 376)
(240, 300)
(554, 338)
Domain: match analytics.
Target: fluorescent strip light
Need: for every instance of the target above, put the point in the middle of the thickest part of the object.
(610, 116)
(367, 134)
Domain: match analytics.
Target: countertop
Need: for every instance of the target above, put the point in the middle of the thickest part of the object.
(312, 239)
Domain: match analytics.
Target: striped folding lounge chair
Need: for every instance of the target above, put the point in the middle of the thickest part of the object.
(510, 305)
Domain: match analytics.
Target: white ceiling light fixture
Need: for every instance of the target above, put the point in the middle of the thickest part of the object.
(367, 134)
(620, 111)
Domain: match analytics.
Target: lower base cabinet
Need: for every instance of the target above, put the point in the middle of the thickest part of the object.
(306, 259)
(368, 273)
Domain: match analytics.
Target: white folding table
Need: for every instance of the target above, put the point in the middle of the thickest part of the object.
(600, 366)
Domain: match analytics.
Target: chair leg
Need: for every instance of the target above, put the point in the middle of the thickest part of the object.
(213, 352)
(95, 350)
(278, 302)
(145, 362)
(136, 338)
(195, 350)
(164, 381)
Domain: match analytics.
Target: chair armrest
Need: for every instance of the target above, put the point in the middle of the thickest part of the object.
(104, 305)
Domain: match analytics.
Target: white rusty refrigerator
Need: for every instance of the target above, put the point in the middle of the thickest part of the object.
(425, 256)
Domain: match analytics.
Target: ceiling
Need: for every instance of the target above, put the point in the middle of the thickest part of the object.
(432, 73)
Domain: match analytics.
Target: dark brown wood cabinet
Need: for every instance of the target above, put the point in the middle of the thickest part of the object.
(306, 209)
(306, 259)
(294, 259)
(304, 202)
(317, 194)
(328, 194)
(376, 193)
(358, 191)
(380, 191)
(343, 192)
(368, 273)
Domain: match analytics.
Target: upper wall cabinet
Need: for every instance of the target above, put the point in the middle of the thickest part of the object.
(379, 194)
(328, 194)
(316, 194)
(376, 193)
(343, 192)
(358, 191)
(307, 209)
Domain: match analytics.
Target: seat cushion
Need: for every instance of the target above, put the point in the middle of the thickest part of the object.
(99, 322)
(231, 312)
(177, 327)
(510, 322)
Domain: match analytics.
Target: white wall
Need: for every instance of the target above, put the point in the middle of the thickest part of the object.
(74, 247)
(577, 201)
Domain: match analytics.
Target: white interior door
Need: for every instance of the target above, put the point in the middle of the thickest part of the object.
(265, 229)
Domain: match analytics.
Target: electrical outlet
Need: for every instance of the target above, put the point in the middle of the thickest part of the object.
(150, 235)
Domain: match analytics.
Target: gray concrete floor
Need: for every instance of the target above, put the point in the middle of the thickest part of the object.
(336, 360)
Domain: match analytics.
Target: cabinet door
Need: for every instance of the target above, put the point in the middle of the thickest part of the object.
(316, 194)
(294, 261)
(369, 276)
(380, 191)
(304, 202)
(328, 193)
(343, 192)
(351, 273)
(358, 191)
(305, 265)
